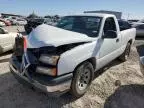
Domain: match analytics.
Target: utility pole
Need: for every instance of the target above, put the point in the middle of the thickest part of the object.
(128, 16)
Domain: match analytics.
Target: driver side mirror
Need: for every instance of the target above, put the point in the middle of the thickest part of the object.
(110, 34)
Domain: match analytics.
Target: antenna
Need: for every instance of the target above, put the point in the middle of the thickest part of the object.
(128, 16)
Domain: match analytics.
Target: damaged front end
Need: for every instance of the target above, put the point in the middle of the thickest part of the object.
(32, 71)
(44, 60)
(36, 57)
(38, 67)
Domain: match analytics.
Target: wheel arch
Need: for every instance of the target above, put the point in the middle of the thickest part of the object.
(130, 41)
(92, 60)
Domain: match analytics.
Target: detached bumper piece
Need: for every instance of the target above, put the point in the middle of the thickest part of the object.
(50, 85)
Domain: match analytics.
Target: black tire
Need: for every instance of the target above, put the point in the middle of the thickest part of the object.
(125, 55)
(83, 74)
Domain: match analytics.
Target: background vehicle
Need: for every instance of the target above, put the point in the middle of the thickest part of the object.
(7, 40)
(20, 22)
(138, 23)
(33, 23)
(11, 19)
(2, 24)
(139, 30)
(133, 21)
(6, 22)
(57, 59)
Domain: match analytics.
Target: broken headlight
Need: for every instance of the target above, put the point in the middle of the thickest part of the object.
(46, 71)
(49, 59)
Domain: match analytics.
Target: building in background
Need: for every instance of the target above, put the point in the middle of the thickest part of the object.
(117, 14)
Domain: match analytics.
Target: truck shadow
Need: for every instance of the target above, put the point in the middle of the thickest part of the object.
(128, 96)
(108, 66)
(6, 53)
(2, 60)
(139, 38)
(140, 50)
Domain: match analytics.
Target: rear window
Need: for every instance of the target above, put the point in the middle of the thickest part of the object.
(124, 25)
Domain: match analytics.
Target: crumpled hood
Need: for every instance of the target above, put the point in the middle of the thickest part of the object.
(46, 35)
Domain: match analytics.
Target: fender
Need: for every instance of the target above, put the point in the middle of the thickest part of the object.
(70, 59)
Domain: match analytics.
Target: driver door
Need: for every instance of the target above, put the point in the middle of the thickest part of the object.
(109, 46)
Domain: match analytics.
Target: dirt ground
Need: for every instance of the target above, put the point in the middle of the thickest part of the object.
(118, 85)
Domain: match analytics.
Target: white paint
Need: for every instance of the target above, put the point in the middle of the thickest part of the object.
(103, 50)
(97, 49)
(46, 35)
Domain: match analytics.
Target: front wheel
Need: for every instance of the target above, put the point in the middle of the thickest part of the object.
(82, 79)
(124, 57)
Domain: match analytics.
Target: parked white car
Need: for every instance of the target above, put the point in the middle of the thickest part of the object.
(65, 57)
(20, 22)
(7, 40)
(2, 24)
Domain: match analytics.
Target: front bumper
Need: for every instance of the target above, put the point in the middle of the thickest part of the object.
(53, 86)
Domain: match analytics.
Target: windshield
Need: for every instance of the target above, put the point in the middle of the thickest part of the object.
(88, 25)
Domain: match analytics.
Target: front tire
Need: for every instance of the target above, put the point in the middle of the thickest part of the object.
(124, 57)
(82, 79)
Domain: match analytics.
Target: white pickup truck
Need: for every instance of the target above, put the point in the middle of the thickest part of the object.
(62, 58)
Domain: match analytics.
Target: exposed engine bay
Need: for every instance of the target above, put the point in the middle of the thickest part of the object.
(36, 58)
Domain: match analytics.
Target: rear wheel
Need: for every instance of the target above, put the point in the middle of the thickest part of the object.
(124, 57)
(82, 79)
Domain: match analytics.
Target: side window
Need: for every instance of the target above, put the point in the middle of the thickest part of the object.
(127, 25)
(1, 31)
(109, 25)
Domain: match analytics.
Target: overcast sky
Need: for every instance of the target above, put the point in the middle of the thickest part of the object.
(130, 8)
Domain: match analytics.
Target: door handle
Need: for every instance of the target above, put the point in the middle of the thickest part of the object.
(117, 40)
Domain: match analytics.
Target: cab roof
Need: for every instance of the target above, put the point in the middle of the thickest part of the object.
(94, 14)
